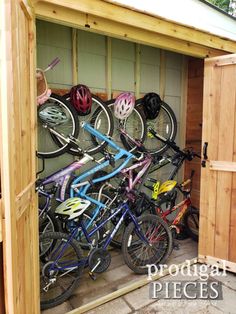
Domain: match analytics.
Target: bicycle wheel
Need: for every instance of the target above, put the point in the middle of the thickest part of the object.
(100, 118)
(165, 125)
(137, 253)
(134, 126)
(47, 222)
(191, 222)
(56, 114)
(60, 269)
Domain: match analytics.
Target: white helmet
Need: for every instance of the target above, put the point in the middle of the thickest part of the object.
(124, 105)
(73, 207)
(52, 115)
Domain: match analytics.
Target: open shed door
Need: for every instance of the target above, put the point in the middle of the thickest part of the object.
(218, 179)
(17, 145)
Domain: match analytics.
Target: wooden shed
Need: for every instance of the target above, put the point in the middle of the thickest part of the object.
(204, 37)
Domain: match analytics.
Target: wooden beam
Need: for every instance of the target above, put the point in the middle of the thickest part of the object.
(108, 68)
(76, 19)
(113, 12)
(137, 70)
(1, 220)
(131, 287)
(223, 264)
(74, 57)
(223, 165)
(162, 82)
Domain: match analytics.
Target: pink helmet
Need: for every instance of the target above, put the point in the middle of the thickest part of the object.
(124, 105)
(81, 99)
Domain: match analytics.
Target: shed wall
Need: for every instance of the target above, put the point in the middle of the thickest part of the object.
(159, 71)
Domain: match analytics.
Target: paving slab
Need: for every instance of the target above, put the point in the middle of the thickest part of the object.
(139, 298)
(60, 309)
(118, 306)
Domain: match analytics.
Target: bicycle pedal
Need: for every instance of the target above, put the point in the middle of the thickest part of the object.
(176, 246)
(92, 276)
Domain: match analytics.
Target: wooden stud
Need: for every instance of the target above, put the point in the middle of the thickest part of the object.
(225, 106)
(97, 24)
(221, 263)
(74, 56)
(222, 165)
(147, 22)
(109, 67)
(137, 70)
(183, 109)
(162, 81)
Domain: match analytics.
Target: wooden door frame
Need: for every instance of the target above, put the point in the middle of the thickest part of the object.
(14, 204)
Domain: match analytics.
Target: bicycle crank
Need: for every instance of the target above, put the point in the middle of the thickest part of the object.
(99, 260)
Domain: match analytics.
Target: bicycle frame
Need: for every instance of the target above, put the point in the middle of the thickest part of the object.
(183, 205)
(61, 177)
(126, 212)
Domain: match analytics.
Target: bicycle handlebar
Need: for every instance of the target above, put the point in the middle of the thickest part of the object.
(52, 64)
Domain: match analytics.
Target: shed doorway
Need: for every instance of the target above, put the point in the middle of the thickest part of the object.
(125, 66)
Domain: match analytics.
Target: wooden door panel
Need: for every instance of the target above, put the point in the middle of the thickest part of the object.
(217, 217)
(18, 124)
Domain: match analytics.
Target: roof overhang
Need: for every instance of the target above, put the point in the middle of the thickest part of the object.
(131, 24)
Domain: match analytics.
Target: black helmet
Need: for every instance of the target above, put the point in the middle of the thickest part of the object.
(151, 105)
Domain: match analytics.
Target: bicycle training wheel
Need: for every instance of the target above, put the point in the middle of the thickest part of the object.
(100, 118)
(60, 268)
(134, 126)
(156, 247)
(57, 115)
(165, 125)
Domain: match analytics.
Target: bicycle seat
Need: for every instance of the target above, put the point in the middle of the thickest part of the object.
(72, 208)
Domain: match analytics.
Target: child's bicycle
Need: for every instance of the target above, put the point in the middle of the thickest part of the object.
(187, 215)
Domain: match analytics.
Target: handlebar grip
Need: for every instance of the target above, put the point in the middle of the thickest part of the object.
(53, 63)
(185, 183)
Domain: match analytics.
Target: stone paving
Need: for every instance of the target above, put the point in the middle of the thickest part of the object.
(138, 301)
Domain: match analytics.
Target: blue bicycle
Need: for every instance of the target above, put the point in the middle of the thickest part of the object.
(146, 240)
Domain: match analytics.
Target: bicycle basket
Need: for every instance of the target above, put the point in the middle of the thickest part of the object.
(43, 92)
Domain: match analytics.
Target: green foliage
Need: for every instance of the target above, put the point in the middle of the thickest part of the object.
(226, 5)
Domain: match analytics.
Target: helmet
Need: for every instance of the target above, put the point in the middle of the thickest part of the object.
(151, 105)
(81, 99)
(72, 207)
(52, 115)
(124, 105)
(167, 191)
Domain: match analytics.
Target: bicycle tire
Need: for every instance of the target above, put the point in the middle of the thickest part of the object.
(191, 222)
(135, 126)
(165, 125)
(66, 292)
(100, 118)
(137, 259)
(47, 142)
(48, 223)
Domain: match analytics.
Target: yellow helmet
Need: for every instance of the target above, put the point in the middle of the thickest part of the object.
(167, 186)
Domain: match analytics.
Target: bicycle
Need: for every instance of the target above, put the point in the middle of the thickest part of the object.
(56, 186)
(185, 210)
(137, 126)
(135, 177)
(147, 240)
(58, 124)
